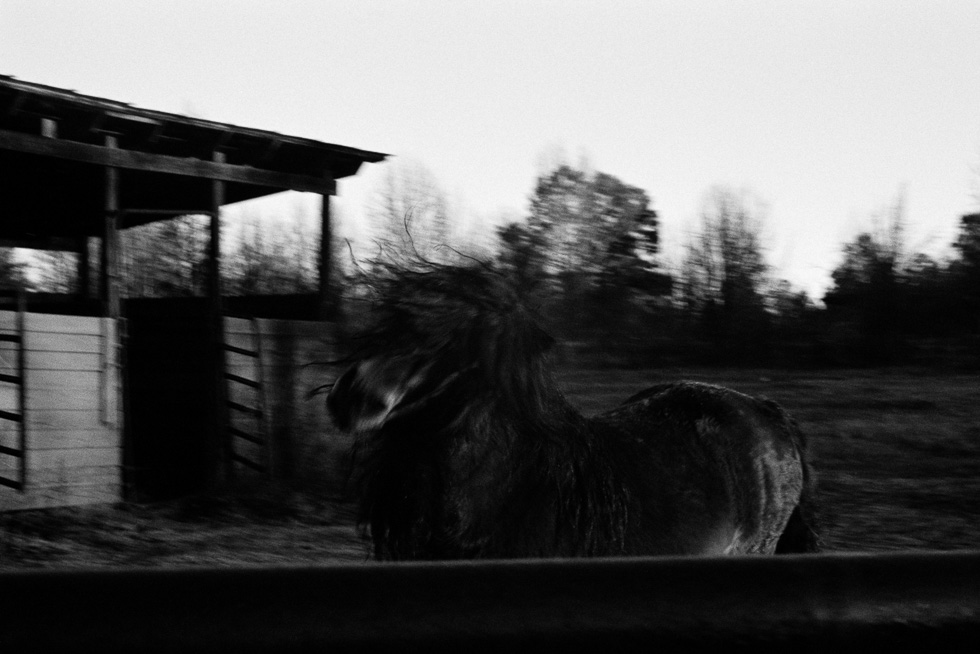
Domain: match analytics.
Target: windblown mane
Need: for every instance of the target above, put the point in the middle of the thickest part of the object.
(494, 442)
(470, 318)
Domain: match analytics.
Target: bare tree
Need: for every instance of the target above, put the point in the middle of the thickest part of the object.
(57, 271)
(165, 259)
(411, 213)
(270, 257)
(12, 272)
(724, 273)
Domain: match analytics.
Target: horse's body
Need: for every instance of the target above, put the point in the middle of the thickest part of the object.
(467, 449)
(731, 464)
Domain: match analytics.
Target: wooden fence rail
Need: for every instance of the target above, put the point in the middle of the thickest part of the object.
(807, 603)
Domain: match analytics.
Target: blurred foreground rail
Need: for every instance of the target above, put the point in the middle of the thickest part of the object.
(813, 603)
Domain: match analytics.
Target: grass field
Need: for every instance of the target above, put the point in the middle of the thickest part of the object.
(897, 455)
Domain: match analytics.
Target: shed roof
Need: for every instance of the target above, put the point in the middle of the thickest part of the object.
(55, 144)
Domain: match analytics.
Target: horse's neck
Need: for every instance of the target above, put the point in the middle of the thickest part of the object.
(506, 476)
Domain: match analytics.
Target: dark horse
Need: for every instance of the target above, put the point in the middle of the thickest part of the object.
(466, 448)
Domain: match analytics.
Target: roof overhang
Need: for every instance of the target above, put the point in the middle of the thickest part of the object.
(55, 145)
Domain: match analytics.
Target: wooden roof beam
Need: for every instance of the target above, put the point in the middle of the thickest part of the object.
(134, 160)
(54, 243)
(16, 102)
(268, 151)
(220, 140)
(95, 121)
(155, 134)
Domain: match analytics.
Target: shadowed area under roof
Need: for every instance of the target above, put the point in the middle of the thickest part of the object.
(56, 143)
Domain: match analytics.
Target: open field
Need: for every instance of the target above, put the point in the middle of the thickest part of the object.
(897, 455)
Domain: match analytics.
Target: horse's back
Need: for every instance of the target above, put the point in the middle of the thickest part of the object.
(718, 415)
(729, 467)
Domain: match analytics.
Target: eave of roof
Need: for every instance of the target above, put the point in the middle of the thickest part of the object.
(55, 145)
(60, 102)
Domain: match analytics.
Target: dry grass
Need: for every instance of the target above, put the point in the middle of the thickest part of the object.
(897, 455)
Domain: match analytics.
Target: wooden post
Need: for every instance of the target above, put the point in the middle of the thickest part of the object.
(214, 244)
(220, 443)
(49, 128)
(325, 297)
(84, 285)
(109, 280)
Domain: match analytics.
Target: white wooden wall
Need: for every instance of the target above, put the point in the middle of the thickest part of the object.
(73, 409)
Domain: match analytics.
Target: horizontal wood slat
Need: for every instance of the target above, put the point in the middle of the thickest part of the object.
(70, 457)
(248, 463)
(62, 419)
(69, 343)
(241, 350)
(246, 436)
(120, 158)
(40, 496)
(244, 409)
(73, 476)
(10, 451)
(10, 483)
(241, 380)
(80, 397)
(64, 361)
(53, 323)
(73, 439)
(12, 417)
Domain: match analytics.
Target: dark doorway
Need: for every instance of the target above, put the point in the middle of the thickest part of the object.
(171, 398)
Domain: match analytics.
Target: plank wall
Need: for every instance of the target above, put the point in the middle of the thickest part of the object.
(73, 409)
(302, 442)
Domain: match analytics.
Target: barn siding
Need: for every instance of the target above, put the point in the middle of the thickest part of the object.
(72, 407)
(303, 444)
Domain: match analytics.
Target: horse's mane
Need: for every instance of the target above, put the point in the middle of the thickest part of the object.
(500, 402)
(470, 317)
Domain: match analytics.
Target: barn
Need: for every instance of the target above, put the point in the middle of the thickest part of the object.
(105, 397)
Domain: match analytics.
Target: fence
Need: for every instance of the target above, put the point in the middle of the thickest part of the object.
(808, 603)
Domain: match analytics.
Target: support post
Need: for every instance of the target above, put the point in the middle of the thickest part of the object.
(219, 444)
(49, 128)
(109, 280)
(84, 283)
(214, 243)
(325, 296)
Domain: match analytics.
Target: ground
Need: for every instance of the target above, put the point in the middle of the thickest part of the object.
(897, 455)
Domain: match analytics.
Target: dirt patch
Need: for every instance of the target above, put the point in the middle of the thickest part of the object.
(262, 526)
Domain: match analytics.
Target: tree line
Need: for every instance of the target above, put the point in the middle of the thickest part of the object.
(588, 253)
(169, 259)
(590, 246)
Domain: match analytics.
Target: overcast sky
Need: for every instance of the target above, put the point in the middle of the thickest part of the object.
(826, 110)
